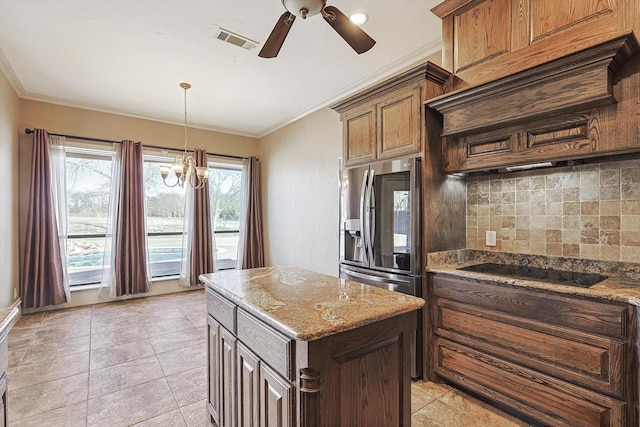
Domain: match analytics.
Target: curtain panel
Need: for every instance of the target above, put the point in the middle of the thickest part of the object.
(198, 241)
(130, 245)
(252, 255)
(43, 272)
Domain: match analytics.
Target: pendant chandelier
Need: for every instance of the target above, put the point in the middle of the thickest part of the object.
(184, 167)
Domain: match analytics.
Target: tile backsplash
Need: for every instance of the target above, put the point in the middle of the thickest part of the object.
(586, 211)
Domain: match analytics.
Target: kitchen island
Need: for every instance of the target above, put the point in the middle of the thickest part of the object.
(291, 347)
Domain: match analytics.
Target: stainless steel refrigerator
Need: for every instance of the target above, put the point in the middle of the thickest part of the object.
(380, 231)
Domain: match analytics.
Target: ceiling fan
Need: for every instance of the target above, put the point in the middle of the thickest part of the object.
(351, 33)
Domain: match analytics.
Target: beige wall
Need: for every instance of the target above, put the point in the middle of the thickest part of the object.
(588, 211)
(75, 121)
(9, 125)
(300, 192)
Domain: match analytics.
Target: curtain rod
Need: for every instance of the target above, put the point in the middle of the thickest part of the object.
(84, 138)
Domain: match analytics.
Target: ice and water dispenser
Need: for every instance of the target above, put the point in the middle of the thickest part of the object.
(353, 244)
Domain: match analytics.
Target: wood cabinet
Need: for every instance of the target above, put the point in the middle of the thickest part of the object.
(538, 81)
(390, 120)
(554, 358)
(213, 369)
(259, 376)
(484, 40)
(276, 399)
(248, 387)
(582, 105)
(387, 121)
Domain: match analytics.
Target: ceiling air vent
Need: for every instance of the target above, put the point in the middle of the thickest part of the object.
(236, 39)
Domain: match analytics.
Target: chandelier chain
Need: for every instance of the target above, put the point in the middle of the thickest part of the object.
(185, 119)
(185, 167)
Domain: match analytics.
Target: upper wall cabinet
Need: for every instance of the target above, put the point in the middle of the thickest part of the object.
(387, 120)
(484, 40)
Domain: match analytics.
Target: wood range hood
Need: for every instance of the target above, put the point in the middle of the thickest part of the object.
(582, 105)
(575, 82)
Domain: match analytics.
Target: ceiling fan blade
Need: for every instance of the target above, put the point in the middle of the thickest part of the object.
(278, 34)
(350, 32)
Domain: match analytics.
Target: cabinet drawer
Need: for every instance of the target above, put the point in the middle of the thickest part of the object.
(221, 309)
(547, 399)
(588, 360)
(608, 319)
(270, 346)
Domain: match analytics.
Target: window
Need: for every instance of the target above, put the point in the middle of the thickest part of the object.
(88, 190)
(165, 220)
(88, 178)
(225, 189)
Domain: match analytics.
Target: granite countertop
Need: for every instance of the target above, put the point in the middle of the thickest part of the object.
(307, 306)
(622, 283)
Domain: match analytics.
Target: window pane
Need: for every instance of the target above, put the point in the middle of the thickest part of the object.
(224, 188)
(227, 250)
(84, 260)
(225, 191)
(88, 188)
(165, 217)
(165, 253)
(88, 183)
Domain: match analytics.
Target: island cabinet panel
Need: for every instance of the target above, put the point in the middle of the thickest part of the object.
(276, 399)
(213, 369)
(366, 369)
(557, 359)
(227, 379)
(248, 388)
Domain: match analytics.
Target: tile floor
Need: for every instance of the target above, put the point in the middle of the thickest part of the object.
(142, 362)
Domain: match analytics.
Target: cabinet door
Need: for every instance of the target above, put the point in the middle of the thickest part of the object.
(488, 39)
(248, 386)
(399, 123)
(275, 399)
(227, 379)
(359, 129)
(213, 371)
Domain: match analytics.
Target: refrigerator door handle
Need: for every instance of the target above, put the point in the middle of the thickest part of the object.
(363, 212)
(372, 216)
(367, 218)
(376, 279)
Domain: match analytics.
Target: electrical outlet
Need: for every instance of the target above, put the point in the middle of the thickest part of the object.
(490, 238)
(15, 293)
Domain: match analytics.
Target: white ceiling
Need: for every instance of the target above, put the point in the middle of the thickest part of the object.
(128, 56)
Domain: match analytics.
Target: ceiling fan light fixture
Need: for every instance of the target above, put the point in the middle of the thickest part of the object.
(304, 8)
(359, 18)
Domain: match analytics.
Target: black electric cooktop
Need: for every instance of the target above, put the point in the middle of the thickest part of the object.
(559, 277)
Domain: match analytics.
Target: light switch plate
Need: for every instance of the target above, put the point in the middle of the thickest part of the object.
(490, 238)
